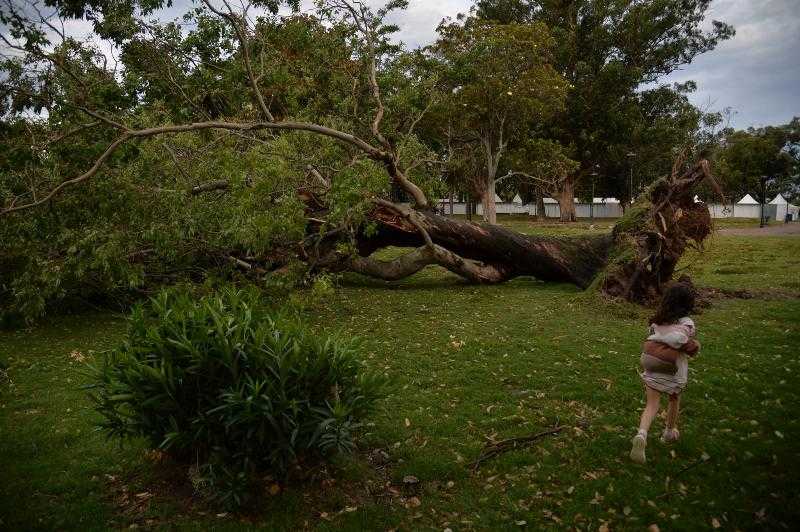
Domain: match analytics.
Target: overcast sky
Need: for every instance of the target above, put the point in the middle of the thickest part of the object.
(757, 73)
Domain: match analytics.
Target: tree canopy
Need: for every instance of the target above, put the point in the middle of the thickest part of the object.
(609, 51)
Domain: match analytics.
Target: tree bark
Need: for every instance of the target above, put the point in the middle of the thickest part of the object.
(488, 202)
(541, 213)
(574, 260)
(566, 199)
(488, 192)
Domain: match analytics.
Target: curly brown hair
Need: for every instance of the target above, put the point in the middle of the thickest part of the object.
(677, 302)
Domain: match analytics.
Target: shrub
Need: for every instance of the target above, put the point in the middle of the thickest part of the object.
(232, 387)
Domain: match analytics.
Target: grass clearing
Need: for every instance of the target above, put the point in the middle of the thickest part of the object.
(467, 363)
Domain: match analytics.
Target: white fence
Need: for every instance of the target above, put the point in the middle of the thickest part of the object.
(551, 210)
(743, 211)
(611, 210)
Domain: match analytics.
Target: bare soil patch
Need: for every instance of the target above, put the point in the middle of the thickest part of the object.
(783, 229)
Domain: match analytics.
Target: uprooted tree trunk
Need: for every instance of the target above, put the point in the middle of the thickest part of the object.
(634, 261)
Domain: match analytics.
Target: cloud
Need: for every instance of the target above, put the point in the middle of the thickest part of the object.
(757, 73)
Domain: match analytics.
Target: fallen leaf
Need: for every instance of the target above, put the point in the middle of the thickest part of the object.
(408, 422)
(715, 522)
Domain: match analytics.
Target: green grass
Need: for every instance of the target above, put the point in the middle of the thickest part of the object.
(533, 355)
(769, 263)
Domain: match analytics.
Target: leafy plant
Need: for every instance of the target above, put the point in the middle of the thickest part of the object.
(232, 386)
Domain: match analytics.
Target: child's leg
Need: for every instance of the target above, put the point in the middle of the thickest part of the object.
(671, 432)
(639, 441)
(672, 411)
(650, 409)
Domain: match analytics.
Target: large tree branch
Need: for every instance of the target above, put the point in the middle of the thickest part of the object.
(83, 177)
(414, 261)
(346, 138)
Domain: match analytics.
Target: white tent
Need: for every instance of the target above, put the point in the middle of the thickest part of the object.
(517, 200)
(779, 200)
(784, 208)
(497, 199)
(747, 200)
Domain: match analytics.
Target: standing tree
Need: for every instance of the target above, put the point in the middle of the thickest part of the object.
(772, 152)
(499, 85)
(607, 50)
(257, 144)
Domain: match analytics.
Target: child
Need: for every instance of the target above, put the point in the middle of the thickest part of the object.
(665, 362)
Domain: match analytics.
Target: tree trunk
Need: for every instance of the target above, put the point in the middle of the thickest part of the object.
(488, 202)
(541, 213)
(633, 262)
(488, 193)
(566, 200)
(574, 260)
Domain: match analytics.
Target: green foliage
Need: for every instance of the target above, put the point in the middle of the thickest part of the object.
(609, 50)
(137, 225)
(236, 388)
(634, 219)
(498, 86)
(746, 156)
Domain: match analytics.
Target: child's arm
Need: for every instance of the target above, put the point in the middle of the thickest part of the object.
(674, 338)
(691, 348)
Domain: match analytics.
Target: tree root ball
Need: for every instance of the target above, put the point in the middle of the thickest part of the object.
(695, 222)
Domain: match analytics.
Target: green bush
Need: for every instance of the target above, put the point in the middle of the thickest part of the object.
(233, 388)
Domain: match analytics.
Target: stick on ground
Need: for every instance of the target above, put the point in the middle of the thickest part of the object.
(494, 449)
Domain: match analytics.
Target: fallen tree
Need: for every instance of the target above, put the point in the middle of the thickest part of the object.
(633, 262)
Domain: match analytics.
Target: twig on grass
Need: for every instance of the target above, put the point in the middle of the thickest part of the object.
(694, 464)
(493, 449)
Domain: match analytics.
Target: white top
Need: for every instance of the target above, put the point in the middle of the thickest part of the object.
(779, 200)
(747, 200)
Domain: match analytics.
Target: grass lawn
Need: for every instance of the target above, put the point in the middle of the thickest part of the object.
(468, 363)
